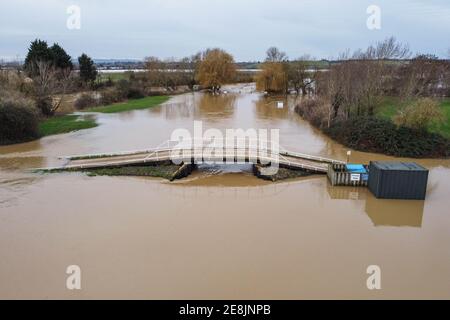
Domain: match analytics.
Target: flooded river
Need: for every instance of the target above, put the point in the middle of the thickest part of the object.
(219, 234)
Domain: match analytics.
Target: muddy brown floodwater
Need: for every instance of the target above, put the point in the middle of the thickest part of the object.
(220, 234)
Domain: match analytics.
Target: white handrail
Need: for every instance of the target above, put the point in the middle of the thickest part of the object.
(193, 145)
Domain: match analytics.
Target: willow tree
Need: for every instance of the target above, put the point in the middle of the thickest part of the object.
(273, 76)
(216, 68)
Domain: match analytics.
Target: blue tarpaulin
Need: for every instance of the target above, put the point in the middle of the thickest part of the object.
(355, 168)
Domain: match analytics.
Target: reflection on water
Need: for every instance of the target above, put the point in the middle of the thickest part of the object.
(218, 234)
(267, 107)
(182, 106)
(21, 163)
(346, 193)
(215, 107)
(394, 213)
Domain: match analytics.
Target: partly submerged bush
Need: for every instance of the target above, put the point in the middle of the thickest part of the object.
(85, 100)
(18, 120)
(127, 89)
(45, 104)
(110, 96)
(316, 111)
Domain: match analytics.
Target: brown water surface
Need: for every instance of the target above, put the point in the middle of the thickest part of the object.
(220, 233)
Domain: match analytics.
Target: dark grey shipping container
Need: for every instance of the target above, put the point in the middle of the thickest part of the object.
(398, 180)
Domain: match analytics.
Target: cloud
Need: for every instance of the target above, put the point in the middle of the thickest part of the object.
(167, 28)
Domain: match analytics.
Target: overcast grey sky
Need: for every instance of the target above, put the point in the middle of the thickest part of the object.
(246, 28)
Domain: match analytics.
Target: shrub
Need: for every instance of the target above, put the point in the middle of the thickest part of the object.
(420, 115)
(18, 120)
(382, 136)
(45, 104)
(316, 111)
(109, 96)
(122, 88)
(135, 93)
(84, 101)
(129, 89)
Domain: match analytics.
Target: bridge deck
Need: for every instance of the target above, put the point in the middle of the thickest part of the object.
(285, 159)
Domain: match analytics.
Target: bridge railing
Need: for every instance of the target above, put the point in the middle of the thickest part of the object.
(239, 145)
(194, 148)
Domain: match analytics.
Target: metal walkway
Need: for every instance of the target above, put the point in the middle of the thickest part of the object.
(172, 151)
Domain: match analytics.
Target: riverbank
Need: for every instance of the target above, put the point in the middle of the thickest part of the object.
(132, 104)
(371, 134)
(378, 134)
(69, 122)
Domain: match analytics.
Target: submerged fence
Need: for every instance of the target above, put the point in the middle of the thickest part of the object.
(339, 176)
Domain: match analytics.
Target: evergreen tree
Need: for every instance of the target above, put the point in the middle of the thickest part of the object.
(88, 71)
(60, 59)
(38, 51)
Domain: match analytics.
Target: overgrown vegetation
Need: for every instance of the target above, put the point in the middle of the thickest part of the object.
(373, 134)
(85, 100)
(350, 102)
(391, 107)
(421, 114)
(162, 171)
(18, 120)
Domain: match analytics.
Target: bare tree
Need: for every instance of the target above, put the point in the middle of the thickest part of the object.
(191, 66)
(50, 86)
(273, 54)
(388, 49)
(358, 82)
(301, 75)
(155, 72)
(425, 75)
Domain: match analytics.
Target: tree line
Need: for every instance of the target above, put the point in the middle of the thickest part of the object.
(348, 97)
(351, 87)
(357, 85)
(38, 88)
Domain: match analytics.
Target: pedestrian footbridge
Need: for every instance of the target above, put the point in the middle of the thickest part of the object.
(204, 152)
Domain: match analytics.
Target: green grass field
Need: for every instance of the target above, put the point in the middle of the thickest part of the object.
(136, 104)
(64, 124)
(114, 76)
(391, 105)
(444, 128)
